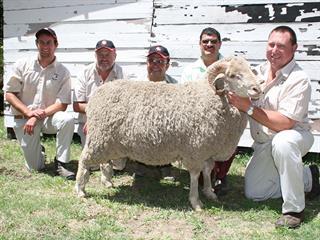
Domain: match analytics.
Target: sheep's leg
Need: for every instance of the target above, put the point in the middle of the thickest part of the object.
(207, 184)
(106, 174)
(194, 193)
(82, 179)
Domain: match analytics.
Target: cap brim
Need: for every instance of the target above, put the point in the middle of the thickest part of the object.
(158, 53)
(110, 49)
(45, 31)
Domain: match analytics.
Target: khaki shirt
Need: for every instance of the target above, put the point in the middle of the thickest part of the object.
(288, 94)
(39, 87)
(89, 81)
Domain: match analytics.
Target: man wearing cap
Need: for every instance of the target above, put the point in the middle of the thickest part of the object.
(158, 62)
(39, 92)
(103, 70)
(210, 44)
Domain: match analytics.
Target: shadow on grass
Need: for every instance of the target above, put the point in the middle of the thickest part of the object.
(174, 195)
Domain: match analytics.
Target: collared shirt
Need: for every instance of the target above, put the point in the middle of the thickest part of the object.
(39, 87)
(289, 94)
(195, 71)
(89, 81)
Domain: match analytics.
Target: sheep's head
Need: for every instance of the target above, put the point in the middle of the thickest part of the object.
(234, 74)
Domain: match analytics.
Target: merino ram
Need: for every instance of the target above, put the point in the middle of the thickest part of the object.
(158, 123)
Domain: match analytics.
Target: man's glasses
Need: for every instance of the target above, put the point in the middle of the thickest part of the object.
(157, 61)
(213, 41)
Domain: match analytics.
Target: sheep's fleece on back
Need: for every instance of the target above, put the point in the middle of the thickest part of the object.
(158, 123)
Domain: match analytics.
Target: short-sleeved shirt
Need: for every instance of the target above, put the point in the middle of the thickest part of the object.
(195, 71)
(89, 81)
(39, 87)
(289, 94)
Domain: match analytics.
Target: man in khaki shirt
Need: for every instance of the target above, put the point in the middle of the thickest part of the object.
(280, 129)
(39, 92)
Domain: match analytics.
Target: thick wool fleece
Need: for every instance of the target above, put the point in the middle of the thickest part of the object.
(159, 123)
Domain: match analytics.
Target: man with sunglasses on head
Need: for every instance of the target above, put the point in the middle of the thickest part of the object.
(103, 70)
(39, 92)
(210, 44)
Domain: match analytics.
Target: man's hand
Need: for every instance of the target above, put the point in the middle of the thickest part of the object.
(29, 126)
(242, 103)
(37, 113)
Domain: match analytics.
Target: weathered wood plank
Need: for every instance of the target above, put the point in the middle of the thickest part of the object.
(10, 5)
(84, 30)
(200, 13)
(189, 34)
(224, 2)
(142, 9)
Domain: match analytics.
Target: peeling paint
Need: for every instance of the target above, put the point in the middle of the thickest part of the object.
(265, 13)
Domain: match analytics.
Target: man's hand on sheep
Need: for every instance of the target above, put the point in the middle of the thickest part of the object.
(241, 103)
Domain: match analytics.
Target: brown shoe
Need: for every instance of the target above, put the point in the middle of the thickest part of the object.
(290, 220)
(62, 171)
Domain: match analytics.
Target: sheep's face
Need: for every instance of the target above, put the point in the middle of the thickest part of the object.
(239, 78)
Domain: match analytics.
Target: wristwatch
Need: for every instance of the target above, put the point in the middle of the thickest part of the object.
(250, 110)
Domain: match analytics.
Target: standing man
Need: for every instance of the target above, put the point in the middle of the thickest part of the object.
(210, 44)
(280, 129)
(39, 92)
(103, 70)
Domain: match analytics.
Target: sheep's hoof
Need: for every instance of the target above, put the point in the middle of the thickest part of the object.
(197, 206)
(106, 183)
(80, 193)
(209, 193)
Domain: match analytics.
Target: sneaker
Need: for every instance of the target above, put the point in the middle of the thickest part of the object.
(62, 171)
(221, 187)
(290, 220)
(166, 172)
(315, 190)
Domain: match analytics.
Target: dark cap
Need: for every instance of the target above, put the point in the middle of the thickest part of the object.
(105, 44)
(160, 50)
(46, 31)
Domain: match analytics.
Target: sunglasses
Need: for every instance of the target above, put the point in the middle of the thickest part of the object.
(157, 61)
(213, 41)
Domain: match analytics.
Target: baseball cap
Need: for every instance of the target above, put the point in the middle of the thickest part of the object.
(160, 50)
(105, 44)
(46, 31)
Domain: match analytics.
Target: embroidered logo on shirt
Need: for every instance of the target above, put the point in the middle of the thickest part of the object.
(55, 76)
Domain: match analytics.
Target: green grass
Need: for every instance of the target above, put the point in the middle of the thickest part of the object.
(44, 206)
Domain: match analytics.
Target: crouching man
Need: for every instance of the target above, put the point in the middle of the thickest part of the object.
(39, 92)
(280, 129)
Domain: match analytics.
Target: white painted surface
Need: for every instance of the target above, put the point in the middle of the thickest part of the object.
(134, 25)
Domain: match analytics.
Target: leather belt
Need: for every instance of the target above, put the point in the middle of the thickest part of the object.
(18, 117)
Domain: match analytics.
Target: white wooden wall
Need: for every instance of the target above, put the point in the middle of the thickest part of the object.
(133, 26)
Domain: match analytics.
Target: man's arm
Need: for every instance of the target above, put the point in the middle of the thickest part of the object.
(271, 119)
(80, 107)
(21, 107)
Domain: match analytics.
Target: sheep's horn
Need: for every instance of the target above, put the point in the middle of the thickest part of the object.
(215, 75)
(214, 69)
